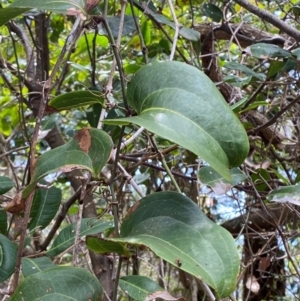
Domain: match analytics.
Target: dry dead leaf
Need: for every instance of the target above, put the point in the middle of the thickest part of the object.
(84, 139)
(16, 205)
(163, 295)
(90, 4)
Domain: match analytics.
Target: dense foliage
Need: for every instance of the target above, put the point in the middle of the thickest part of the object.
(149, 150)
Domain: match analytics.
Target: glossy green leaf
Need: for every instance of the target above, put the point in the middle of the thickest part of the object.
(174, 228)
(245, 69)
(60, 284)
(264, 50)
(142, 288)
(76, 99)
(103, 246)
(180, 103)
(287, 194)
(3, 221)
(66, 237)
(217, 183)
(212, 11)
(67, 7)
(44, 207)
(90, 149)
(9, 13)
(6, 184)
(8, 256)
(35, 265)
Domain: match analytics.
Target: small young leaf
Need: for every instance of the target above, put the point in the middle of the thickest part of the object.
(8, 256)
(60, 284)
(66, 237)
(217, 183)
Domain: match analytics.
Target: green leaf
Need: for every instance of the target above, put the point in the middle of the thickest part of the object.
(217, 183)
(6, 184)
(174, 228)
(114, 24)
(103, 246)
(8, 13)
(287, 194)
(274, 68)
(90, 149)
(3, 221)
(245, 69)
(60, 284)
(187, 33)
(35, 265)
(66, 237)
(67, 7)
(180, 103)
(264, 50)
(76, 99)
(212, 11)
(45, 205)
(8, 256)
(142, 288)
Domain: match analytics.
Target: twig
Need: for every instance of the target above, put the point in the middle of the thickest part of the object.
(174, 44)
(207, 290)
(271, 18)
(61, 216)
(165, 165)
(74, 35)
(277, 115)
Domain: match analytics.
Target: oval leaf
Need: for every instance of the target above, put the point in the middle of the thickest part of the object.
(60, 284)
(8, 13)
(66, 237)
(76, 99)
(44, 207)
(67, 7)
(287, 194)
(245, 69)
(180, 103)
(35, 265)
(6, 184)
(103, 246)
(217, 183)
(264, 51)
(8, 256)
(142, 288)
(90, 149)
(176, 229)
